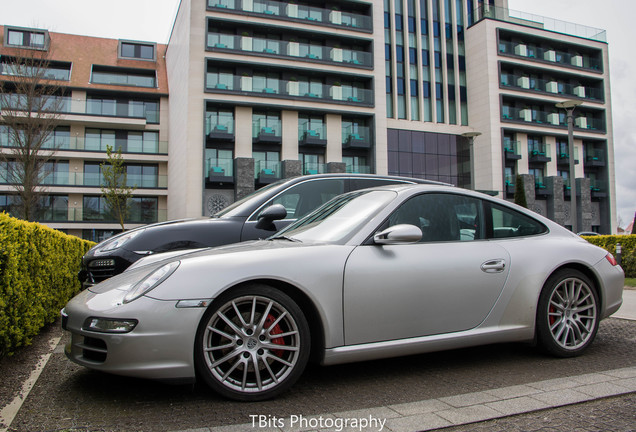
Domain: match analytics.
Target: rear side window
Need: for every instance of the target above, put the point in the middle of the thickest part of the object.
(508, 223)
(305, 197)
(363, 183)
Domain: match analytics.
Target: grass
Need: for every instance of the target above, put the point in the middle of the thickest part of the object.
(631, 282)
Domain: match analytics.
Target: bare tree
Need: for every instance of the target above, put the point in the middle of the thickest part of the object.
(115, 189)
(30, 110)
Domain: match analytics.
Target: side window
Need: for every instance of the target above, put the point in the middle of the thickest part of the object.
(508, 223)
(442, 217)
(305, 197)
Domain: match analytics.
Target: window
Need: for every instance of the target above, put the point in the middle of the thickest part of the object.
(120, 76)
(507, 222)
(26, 38)
(304, 197)
(50, 70)
(442, 217)
(137, 50)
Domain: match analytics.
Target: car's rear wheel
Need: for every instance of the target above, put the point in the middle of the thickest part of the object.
(567, 316)
(252, 344)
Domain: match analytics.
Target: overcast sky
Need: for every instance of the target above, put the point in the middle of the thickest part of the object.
(151, 20)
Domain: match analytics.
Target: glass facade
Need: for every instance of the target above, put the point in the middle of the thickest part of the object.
(431, 156)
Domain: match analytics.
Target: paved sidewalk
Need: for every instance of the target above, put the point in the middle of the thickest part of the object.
(455, 410)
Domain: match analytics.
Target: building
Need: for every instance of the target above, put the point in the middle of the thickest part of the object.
(440, 89)
(111, 92)
(460, 91)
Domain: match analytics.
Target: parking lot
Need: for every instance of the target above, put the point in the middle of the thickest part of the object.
(69, 397)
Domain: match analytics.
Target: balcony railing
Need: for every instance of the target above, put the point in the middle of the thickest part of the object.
(551, 86)
(296, 12)
(541, 118)
(292, 49)
(548, 54)
(595, 157)
(68, 143)
(74, 106)
(356, 137)
(314, 168)
(96, 180)
(72, 214)
(511, 149)
(267, 171)
(358, 169)
(280, 88)
(538, 21)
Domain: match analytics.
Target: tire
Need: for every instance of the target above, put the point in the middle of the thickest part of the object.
(252, 344)
(568, 314)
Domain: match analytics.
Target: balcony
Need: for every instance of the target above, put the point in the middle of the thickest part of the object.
(295, 12)
(563, 156)
(219, 170)
(357, 137)
(549, 55)
(511, 150)
(145, 216)
(551, 86)
(358, 169)
(594, 158)
(290, 89)
(315, 137)
(538, 153)
(267, 131)
(585, 121)
(290, 49)
(598, 188)
(267, 172)
(221, 130)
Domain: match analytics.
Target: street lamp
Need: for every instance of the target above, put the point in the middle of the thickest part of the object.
(471, 139)
(569, 106)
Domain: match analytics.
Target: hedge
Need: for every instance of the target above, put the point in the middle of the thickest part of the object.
(628, 246)
(38, 275)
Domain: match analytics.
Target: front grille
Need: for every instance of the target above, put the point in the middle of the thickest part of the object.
(100, 270)
(94, 349)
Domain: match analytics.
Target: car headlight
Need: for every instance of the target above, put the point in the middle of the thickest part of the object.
(117, 242)
(151, 281)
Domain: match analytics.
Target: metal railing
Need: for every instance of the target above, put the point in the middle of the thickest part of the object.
(538, 21)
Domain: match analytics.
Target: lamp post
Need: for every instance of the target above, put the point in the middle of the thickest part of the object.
(569, 106)
(471, 139)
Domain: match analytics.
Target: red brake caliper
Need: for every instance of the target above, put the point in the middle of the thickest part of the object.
(552, 317)
(274, 331)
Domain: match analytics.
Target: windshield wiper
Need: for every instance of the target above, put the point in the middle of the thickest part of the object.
(282, 237)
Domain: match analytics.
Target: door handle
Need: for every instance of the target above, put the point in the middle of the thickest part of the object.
(494, 266)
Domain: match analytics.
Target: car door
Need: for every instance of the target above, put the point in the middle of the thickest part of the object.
(299, 199)
(447, 282)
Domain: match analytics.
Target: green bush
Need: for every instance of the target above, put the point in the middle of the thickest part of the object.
(38, 275)
(628, 245)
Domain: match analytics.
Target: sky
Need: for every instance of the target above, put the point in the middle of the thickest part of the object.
(151, 21)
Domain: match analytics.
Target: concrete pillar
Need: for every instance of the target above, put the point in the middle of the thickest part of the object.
(244, 177)
(336, 167)
(584, 204)
(291, 168)
(556, 199)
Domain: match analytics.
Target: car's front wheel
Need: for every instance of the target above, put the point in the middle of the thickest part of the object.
(567, 316)
(252, 344)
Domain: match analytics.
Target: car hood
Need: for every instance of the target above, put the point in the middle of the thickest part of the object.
(126, 280)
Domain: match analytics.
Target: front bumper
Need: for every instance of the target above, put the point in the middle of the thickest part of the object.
(161, 345)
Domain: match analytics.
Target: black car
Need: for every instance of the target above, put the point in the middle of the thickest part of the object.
(255, 216)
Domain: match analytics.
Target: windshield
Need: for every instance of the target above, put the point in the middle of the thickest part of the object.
(339, 219)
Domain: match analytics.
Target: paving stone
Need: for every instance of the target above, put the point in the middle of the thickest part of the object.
(420, 407)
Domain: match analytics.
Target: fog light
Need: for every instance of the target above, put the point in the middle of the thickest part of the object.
(102, 263)
(110, 325)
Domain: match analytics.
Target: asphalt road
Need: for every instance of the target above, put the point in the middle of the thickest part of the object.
(69, 397)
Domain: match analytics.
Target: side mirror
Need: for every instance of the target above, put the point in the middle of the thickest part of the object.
(269, 215)
(398, 234)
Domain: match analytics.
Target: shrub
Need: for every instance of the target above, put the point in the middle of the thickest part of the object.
(628, 244)
(38, 275)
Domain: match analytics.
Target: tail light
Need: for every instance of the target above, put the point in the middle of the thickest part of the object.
(611, 259)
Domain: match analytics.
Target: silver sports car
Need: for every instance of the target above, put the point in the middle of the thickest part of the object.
(382, 272)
